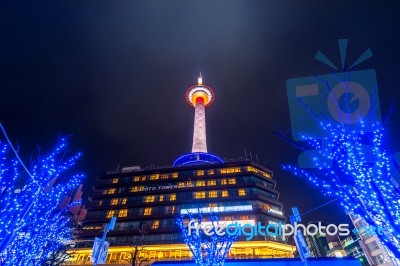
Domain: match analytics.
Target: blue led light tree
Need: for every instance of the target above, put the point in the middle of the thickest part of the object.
(207, 249)
(34, 222)
(353, 166)
(338, 118)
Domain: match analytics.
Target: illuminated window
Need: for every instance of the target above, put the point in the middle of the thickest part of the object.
(123, 213)
(244, 217)
(155, 224)
(230, 170)
(199, 172)
(213, 194)
(100, 203)
(172, 197)
(200, 195)
(225, 193)
(242, 192)
(200, 183)
(164, 176)
(136, 179)
(144, 178)
(115, 180)
(170, 209)
(111, 191)
(228, 218)
(114, 202)
(147, 211)
(223, 181)
(231, 181)
(250, 169)
(211, 182)
(134, 189)
(255, 170)
(124, 200)
(175, 175)
(110, 214)
(149, 198)
(155, 177)
(267, 175)
(161, 198)
(185, 184)
(92, 227)
(210, 172)
(211, 205)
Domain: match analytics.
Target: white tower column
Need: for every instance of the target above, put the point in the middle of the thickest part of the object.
(199, 132)
(200, 97)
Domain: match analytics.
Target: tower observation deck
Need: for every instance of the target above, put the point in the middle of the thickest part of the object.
(199, 96)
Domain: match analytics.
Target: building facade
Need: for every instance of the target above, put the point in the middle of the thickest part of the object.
(317, 244)
(375, 252)
(352, 246)
(235, 191)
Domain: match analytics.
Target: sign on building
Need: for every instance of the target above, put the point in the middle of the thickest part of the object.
(100, 249)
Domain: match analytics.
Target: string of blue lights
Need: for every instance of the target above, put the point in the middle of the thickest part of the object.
(207, 249)
(352, 166)
(34, 214)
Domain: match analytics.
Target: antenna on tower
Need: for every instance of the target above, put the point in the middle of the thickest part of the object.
(256, 158)
(200, 80)
(245, 154)
(251, 157)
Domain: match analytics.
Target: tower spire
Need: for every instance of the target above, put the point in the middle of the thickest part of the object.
(200, 80)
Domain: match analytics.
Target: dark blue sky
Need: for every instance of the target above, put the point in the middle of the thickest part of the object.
(114, 73)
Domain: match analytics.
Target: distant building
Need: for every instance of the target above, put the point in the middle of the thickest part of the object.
(317, 244)
(77, 209)
(335, 250)
(375, 252)
(352, 246)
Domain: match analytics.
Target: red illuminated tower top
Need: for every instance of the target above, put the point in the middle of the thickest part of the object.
(200, 93)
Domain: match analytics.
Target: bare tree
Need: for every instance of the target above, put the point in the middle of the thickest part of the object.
(137, 246)
(59, 256)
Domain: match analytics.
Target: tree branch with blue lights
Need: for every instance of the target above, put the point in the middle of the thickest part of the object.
(34, 216)
(354, 167)
(207, 249)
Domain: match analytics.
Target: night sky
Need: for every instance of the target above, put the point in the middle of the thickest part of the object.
(114, 74)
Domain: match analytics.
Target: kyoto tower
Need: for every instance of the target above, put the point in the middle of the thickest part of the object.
(199, 96)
